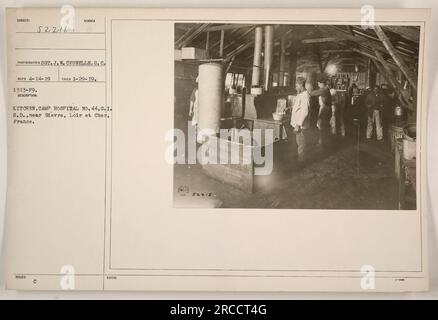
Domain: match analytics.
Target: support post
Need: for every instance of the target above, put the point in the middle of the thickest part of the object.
(221, 45)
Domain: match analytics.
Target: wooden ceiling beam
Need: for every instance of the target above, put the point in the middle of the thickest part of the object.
(410, 76)
(409, 33)
(337, 51)
(229, 27)
(185, 35)
(321, 40)
(238, 50)
(373, 45)
(400, 46)
(190, 35)
(373, 57)
(239, 38)
(368, 49)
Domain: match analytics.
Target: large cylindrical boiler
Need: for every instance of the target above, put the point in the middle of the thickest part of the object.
(211, 96)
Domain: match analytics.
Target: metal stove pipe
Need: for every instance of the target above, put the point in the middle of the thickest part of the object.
(257, 63)
(268, 56)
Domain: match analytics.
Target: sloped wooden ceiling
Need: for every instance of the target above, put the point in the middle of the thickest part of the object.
(316, 46)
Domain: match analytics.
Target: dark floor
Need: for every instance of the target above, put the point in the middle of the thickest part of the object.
(351, 176)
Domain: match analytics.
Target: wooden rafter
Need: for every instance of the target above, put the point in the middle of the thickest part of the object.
(370, 44)
(330, 43)
(395, 56)
(229, 27)
(321, 40)
(409, 33)
(190, 35)
(367, 52)
(239, 38)
(238, 50)
(373, 57)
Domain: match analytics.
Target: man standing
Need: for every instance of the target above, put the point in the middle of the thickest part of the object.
(374, 103)
(324, 113)
(299, 118)
(335, 109)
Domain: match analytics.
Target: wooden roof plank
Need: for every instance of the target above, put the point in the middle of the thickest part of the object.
(232, 26)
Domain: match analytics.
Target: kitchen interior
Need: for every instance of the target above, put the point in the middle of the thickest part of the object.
(245, 76)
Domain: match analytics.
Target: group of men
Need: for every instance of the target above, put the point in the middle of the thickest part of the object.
(330, 116)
